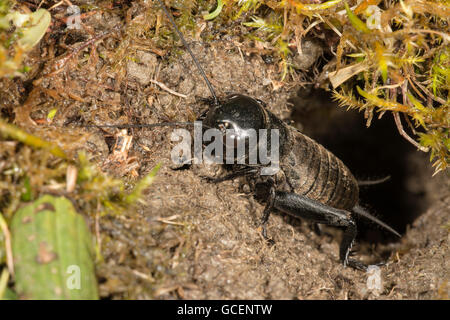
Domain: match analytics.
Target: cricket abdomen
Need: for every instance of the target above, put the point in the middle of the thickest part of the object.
(313, 171)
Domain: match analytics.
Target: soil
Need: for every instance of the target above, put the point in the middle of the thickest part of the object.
(207, 242)
(196, 240)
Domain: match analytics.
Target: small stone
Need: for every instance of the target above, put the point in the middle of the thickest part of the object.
(142, 67)
(311, 51)
(374, 280)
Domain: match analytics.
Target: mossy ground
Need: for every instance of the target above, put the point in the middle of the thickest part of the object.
(191, 239)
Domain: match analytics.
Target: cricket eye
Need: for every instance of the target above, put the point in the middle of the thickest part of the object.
(223, 126)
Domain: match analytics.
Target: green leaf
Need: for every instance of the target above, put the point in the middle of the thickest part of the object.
(52, 249)
(417, 104)
(9, 295)
(28, 193)
(37, 24)
(355, 21)
(142, 185)
(216, 12)
(51, 114)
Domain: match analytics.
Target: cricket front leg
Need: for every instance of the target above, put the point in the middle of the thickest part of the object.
(266, 213)
(265, 192)
(246, 171)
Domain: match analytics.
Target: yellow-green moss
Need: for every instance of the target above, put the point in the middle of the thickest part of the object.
(401, 48)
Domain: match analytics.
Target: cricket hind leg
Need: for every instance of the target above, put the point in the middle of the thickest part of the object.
(346, 247)
(300, 206)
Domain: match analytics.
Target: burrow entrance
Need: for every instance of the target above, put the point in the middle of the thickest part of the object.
(370, 153)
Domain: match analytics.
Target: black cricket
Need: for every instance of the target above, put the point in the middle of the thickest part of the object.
(312, 183)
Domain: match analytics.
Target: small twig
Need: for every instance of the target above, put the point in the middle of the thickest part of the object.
(336, 31)
(161, 291)
(312, 25)
(3, 282)
(166, 221)
(97, 231)
(425, 90)
(61, 63)
(71, 178)
(402, 132)
(390, 86)
(444, 36)
(8, 248)
(164, 87)
(410, 125)
(398, 122)
(59, 3)
(40, 4)
(55, 5)
(392, 291)
(144, 276)
(411, 82)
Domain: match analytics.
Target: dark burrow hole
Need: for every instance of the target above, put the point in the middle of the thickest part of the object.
(370, 153)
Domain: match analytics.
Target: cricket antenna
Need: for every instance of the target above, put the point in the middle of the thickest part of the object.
(143, 125)
(216, 101)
